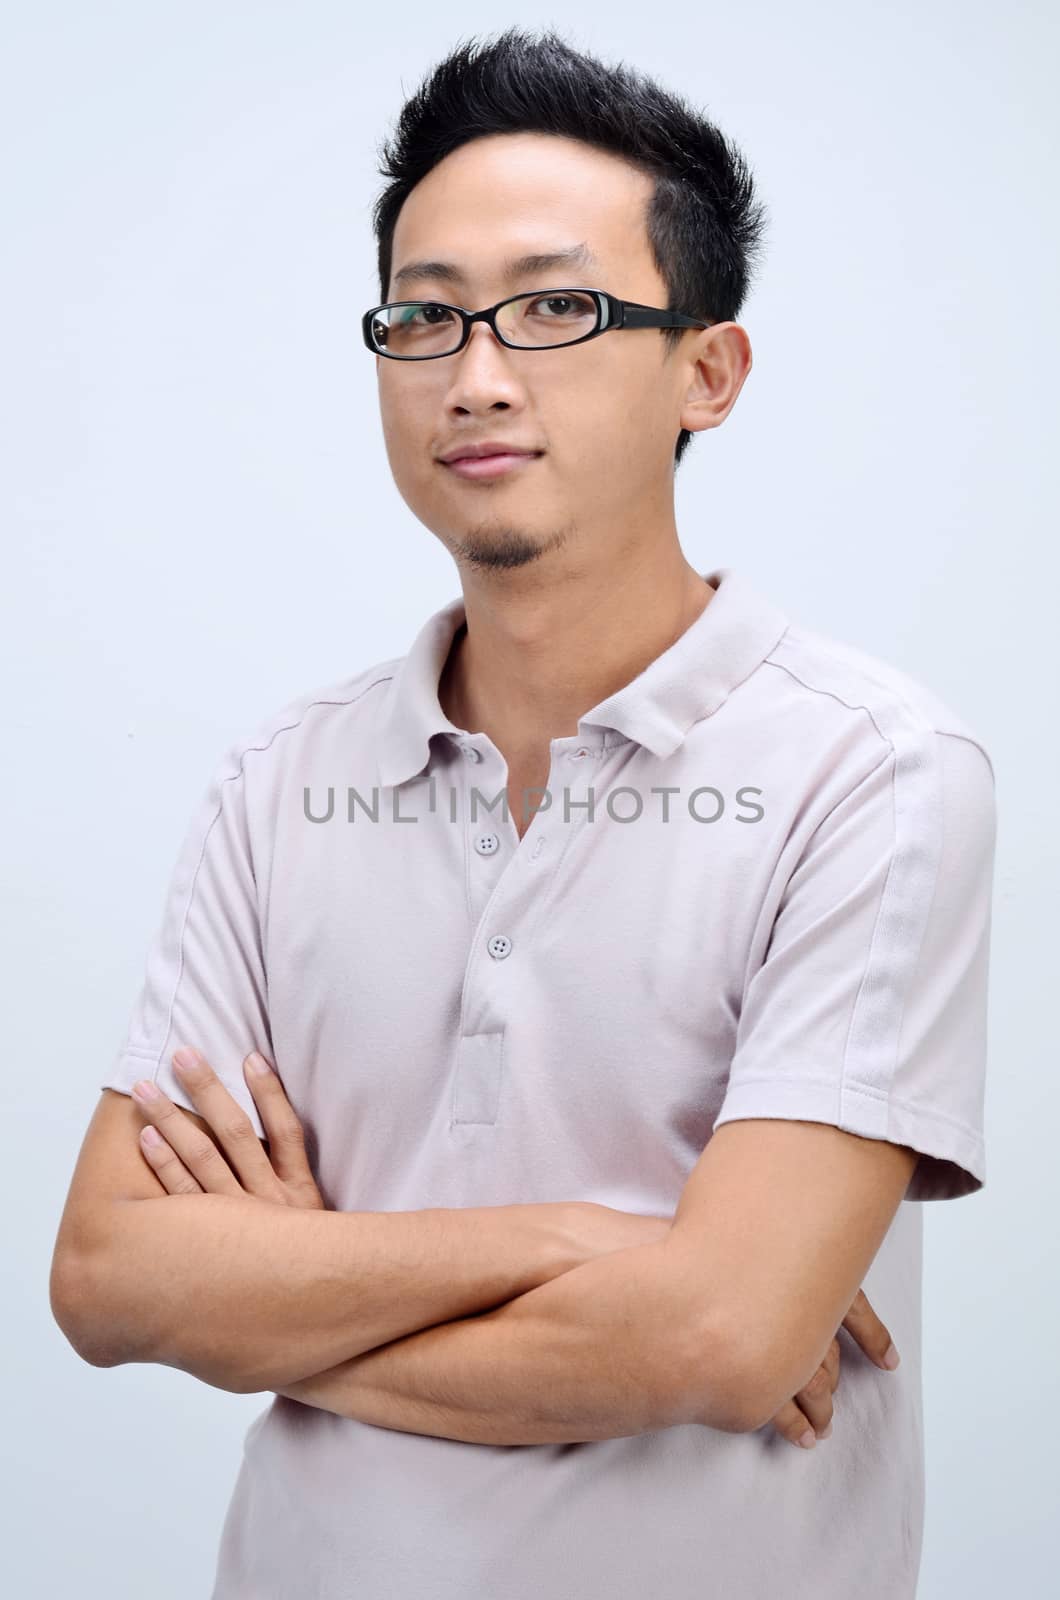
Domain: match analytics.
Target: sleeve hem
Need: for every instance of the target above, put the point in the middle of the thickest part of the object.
(134, 1064)
(953, 1154)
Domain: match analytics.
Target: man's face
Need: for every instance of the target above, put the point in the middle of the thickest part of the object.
(605, 413)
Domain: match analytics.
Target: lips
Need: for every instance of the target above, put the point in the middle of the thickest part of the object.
(481, 452)
(474, 450)
(485, 455)
(494, 465)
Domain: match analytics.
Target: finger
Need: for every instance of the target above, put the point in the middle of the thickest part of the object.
(795, 1425)
(831, 1363)
(865, 1326)
(166, 1165)
(804, 1414)
(815, 1401)
(287, 1151)
(237, 1135)
(187, 1142)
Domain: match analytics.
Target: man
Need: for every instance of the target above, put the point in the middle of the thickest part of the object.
(592, 1117)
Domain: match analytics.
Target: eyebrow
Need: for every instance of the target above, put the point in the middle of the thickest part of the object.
(579, 255)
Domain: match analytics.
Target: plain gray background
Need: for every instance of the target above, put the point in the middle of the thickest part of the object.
(199, 522)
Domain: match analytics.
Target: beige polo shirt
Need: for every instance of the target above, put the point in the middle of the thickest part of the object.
(760, 887)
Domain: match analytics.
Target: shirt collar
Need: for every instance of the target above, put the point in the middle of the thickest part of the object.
(689, 681)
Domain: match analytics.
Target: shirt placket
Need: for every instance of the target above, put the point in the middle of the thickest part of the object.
(507, 877)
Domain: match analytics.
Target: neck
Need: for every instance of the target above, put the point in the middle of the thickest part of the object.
(528, 663)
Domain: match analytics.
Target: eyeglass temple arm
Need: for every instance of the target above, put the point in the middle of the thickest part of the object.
(636, 316)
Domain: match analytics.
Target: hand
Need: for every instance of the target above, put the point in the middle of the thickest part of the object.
(810, 1412)
(598, 1229)
(188, 1161)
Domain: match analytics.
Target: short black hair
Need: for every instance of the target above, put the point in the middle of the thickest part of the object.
(704, 222)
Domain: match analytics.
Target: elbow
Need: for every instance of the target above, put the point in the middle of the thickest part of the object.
(73, 1299)
(105, 1334)
(748, 1412)
(88, 1295)
(751, 1387)
(720, 1383)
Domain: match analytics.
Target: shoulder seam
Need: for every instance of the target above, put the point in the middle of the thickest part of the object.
(951, 733)
(831, 694)
(248, 748)
(892, 694)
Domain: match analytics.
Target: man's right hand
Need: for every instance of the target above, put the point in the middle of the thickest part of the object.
(598, 1229)
(808, 1416)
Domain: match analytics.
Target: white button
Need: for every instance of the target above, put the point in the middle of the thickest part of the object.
(486, 844)
(499, 946)
(471, 753)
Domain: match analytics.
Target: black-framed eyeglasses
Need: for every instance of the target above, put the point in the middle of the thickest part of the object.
(422, 330)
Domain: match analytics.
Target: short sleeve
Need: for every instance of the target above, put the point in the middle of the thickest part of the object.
(204, 984)
(869, 1009)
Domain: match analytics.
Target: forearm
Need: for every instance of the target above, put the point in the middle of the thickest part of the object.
(248, 1295)
(602, 1351)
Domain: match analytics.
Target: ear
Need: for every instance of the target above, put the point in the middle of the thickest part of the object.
(716, 362)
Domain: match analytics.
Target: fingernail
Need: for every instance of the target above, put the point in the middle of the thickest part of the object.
(258, 1063)
(184, 1059)
(145, 1090)
(826, 1432)
(891, 1357)
(808, 1439)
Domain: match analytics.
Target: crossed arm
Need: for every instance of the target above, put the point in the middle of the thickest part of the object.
(612, 1346)
(596, 1353)
(780, 1219)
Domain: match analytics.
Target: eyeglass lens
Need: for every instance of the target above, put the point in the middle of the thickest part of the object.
(428, 328)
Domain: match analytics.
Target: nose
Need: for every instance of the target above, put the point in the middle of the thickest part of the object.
(484, 372)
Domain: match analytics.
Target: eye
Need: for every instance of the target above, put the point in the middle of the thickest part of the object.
(572, 304)
(411, 312)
